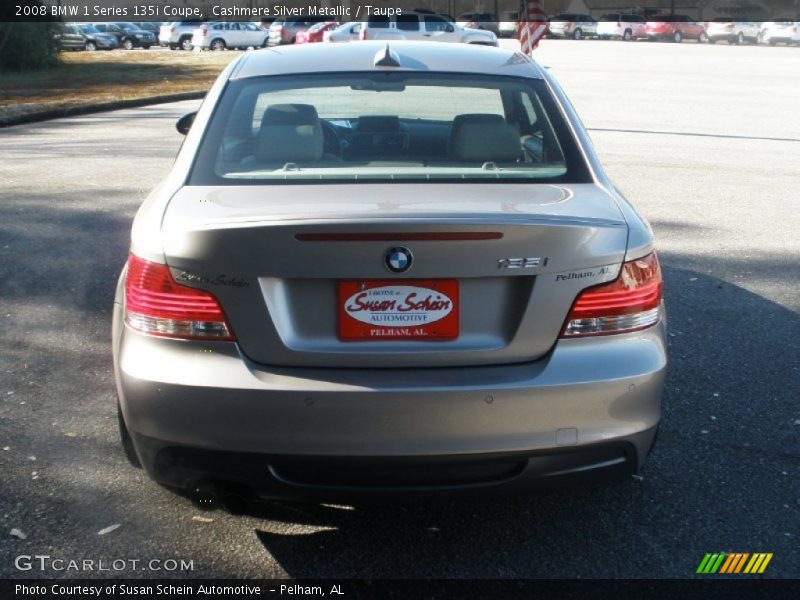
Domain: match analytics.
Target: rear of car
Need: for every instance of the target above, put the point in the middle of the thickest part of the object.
(733, 32)
(427, 285)
(346, 32)
(621, 27)
(178, 34)
(315, 33)
(284, 31)
(572, 25)
(486, 21)
(507, 27)
(674, 28)
(780, 31)
(426, 27)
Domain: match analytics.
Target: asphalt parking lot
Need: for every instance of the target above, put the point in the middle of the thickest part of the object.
(704, 139)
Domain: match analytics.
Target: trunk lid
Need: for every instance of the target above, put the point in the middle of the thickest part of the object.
(258, 249)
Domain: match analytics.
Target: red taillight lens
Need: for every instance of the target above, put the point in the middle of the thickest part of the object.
(155, 304)
(363, 34)
(629, 303)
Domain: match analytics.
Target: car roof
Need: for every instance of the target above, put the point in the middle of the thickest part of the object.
(360, 56)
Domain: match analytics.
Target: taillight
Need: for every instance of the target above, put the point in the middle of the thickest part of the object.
(629, 303)
(363, 34)
(172, 29)
(155, 304)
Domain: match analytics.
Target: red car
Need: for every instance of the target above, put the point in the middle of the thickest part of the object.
(675, 28)
(315, 32)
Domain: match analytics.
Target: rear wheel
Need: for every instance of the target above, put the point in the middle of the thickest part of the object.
(186, 43)
(702, 38)
(577, 34)
(90, 46)
(628, 35)
(740, 39)
(677, 37)
(127, 43)
(217, 45)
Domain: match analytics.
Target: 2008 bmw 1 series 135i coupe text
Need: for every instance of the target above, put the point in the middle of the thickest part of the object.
(383, 270)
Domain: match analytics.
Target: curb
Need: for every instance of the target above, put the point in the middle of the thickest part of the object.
(71, 111)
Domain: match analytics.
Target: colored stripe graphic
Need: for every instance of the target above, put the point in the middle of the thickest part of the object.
(758, 563)
(729, 562)
(725, 563)
(711, 562)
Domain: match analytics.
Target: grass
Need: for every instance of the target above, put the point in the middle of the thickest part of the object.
(88, 78)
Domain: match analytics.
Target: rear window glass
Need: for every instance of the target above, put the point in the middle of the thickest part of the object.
(386, 127)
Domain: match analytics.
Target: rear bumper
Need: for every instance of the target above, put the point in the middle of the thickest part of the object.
(353, 478)
(200, 410)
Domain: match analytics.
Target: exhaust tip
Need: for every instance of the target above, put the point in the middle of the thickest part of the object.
(204, 497)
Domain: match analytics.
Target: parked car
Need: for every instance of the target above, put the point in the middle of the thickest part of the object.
(507, 27)
(780, 31)
(572, 25)
(423, 27)
(128, 35)
(84, 36)
(315, 33)
(178, 34)
(733, 32)
(284, 31)
(621, 26)
(675, 28)
(224, 35)
(475, 20)
(346, 32)
(295, 320)
(153, 27)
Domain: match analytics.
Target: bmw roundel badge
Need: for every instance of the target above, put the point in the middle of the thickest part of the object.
(398, 260)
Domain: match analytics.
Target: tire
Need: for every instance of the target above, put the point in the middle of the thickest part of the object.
(90, 46)
(627, 36)
(126, 442)
(577, 34)
(740, 39)
(702, 38)
(146, 46)
(677, 37)
(217, 45)
(128, 44)
(185, 43)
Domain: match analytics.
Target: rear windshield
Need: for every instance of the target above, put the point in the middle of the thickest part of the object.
(386, 127)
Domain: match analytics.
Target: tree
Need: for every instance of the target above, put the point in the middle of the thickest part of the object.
(28, 44)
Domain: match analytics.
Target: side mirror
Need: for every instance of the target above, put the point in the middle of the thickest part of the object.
(449, 28)
(184, 124)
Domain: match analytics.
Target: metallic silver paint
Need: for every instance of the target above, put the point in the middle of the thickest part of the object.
(252, 395)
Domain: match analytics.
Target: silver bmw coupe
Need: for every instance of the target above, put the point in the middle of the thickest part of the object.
(384, 270)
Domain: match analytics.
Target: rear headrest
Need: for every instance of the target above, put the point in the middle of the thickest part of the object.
(484, 138)
(289, 133)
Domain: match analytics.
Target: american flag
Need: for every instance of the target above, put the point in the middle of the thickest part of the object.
(532, 24)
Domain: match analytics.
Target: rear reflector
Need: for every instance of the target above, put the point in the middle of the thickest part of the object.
(433, 236)
(629, 303)
(155, 304)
